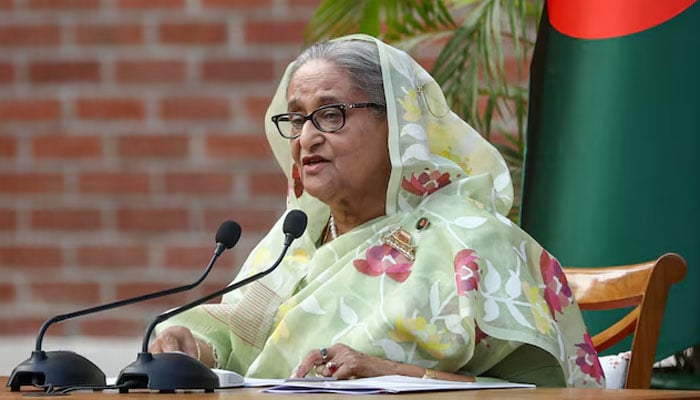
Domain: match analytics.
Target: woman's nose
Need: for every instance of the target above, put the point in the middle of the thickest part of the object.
(309, 135)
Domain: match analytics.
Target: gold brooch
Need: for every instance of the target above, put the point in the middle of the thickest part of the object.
(400, 240)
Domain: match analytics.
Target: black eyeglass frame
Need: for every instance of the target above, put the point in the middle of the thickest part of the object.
(343, 107)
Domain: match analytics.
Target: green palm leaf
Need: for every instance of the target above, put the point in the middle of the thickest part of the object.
(471, 66)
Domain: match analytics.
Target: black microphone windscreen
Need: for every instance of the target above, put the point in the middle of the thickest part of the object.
(228, 234)
(295, 223)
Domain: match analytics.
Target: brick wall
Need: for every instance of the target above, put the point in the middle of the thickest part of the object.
(129, 130)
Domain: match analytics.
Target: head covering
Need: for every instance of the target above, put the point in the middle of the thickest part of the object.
(425, 137)
(444, 280)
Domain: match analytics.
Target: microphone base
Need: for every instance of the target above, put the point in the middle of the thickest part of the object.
(58, 369)
(167, 372)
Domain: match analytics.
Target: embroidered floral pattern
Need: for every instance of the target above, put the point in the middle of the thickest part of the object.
(480, 336)
(384, 259)
(466, 271)
(587, 359)
(557, 292)
(539, 308)
(418, 330)
(410, 105)
(425, 183)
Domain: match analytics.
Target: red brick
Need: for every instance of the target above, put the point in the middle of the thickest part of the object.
(114, 183)
(238, 146)
(193, 33)
(517, 70)
(238, 71)
(303, 3)
(67, 292)
(8, 147)
(151, 71)
(134, 289)
(150, 4)
(110, 108)
(30, 256)
(267, 183)
(199, 183)
(196, 108)
(152, 219)
(93, 34)
(8, 219)
(51, 146)
(176, 146)
(66, 220)
(250, 220)
(238, 4)
(28, 35)
(7, 73)
(7, 293)
(63, 5)
(7, 4)
(30, 183)
(256, 107)
(64, 71)
(23, 326)
(113, 256)
(29, 109)
(195, 258)
(112, 327)
(274, 32)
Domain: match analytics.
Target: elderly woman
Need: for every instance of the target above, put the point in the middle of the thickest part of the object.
(409, 265)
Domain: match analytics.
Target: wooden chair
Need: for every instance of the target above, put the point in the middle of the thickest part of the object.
(643, 286)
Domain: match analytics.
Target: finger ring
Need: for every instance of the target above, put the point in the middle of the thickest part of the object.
(324, 353)
(318, 370)
(332, 367)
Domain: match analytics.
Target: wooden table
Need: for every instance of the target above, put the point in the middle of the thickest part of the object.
(254, 394)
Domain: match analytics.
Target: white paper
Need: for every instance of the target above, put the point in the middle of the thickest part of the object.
(387, 384)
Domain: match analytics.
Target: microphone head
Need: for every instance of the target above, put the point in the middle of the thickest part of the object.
(295, 223)
(228, 234)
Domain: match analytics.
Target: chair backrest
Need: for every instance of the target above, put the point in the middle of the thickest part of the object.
(643, 286)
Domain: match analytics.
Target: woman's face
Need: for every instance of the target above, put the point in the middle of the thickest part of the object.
(349, 168)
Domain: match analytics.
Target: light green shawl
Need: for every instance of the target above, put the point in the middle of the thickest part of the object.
(478, 288)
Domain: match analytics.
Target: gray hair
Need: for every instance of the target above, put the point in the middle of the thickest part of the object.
(358, 58)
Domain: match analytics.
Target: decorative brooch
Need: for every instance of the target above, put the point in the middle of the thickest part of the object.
(400, 240)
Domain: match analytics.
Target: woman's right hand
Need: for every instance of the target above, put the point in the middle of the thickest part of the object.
(179, 338)
(175, 338)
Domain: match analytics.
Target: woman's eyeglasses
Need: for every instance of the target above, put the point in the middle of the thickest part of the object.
(329, 118)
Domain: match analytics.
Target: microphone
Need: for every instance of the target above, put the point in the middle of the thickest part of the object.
(167, 372)
(68, 369)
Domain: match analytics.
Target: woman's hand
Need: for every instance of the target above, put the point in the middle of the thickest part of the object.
(175, 338)
(343, 362)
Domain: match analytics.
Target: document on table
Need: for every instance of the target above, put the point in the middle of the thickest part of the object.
(387, 384)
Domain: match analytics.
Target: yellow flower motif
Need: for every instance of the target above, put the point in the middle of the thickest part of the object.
(539, 308)
(261, 259)
(280, 332)
(285, 307)
(410, 105)
(299, 256)
(425, 335)
(440, 143)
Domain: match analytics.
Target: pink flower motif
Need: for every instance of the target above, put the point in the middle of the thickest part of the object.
(557, 292)
(384, 259)
(587, 359)
(425, 183)
(466, 271)
(480, 335)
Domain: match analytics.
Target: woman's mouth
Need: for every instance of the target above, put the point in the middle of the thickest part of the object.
(313, 164)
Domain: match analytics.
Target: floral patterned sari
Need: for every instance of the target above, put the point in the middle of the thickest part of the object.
(443, 280)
